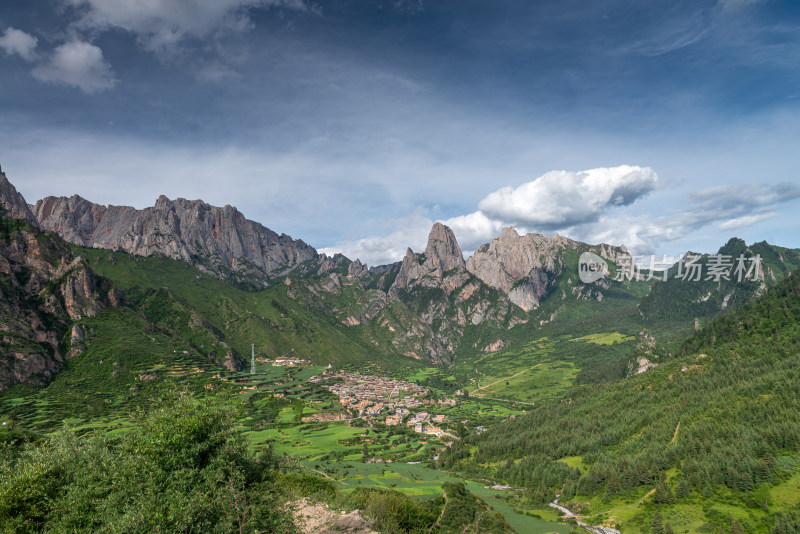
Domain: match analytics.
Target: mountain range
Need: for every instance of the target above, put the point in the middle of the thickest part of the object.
(433, 306)
(643, 402)
(219, 241)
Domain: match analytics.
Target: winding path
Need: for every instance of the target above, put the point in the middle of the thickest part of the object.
(508, 377)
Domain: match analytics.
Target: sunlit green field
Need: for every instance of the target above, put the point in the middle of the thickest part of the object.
(606, 338)
(423, 482)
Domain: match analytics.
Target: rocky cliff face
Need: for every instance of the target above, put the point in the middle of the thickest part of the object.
(441, 266)
(43, 288)
(13, 203)
(445, 300)
(523, 267)
(419, 308)
(219, 241)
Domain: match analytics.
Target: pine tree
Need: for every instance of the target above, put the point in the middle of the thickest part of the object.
(736, 528)
(682, 491)
(668, 529)
(612, 483)
(658, 524)
(663, 494)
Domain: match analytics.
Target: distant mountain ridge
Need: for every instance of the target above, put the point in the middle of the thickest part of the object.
(432, 305)
(678, 298)
(420, 308)
(223, 243)
(219, 241)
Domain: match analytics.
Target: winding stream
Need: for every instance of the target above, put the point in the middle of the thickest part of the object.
(569, 513)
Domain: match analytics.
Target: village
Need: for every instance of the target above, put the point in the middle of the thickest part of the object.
(375, 396)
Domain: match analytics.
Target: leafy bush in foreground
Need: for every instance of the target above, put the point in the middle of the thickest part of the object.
(184, 469)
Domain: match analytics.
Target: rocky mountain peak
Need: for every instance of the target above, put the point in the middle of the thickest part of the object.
(13, 202)
(163, 202)
(357, 270)
(442, 265)
(522, 266)
(517, 265)
(45, 289)
(443, 250)
(509, 233)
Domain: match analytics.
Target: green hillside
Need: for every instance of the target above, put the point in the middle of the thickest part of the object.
(714, 433)
(708, 437)
(204, 313)
(682, 299)
(178, 326)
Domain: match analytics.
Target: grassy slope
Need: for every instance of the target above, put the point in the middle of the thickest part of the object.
(545, 346)
(275, 323)
(556, 344)
(177, 328)
(735, 395)
(585, 344)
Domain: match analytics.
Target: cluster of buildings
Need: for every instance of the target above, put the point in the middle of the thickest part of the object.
(362, 391)
(372, 395)
(421, 421)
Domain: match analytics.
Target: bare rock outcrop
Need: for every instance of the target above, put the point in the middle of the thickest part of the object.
(517, 265)
(13, 203)
(523, 266)
(219, 241)
(44, 289)
(318, 518)
(359, 271)
(442, 265)
(445, 299)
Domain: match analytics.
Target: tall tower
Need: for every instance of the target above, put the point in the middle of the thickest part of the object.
(252, 359)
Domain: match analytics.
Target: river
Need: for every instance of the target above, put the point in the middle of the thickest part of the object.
(569, 513)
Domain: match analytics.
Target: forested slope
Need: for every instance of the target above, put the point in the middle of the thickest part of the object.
(720, 424)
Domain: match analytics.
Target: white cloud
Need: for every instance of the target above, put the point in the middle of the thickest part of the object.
(474, 229)
(162, 24)
(747, 220)
(730, 199)
(640, 234)
(20, 43)
(728, 207)
(559, 200)
(77, 64)
(412, 232)
(562, 199)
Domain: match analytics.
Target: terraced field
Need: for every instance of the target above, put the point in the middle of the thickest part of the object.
(422, 482)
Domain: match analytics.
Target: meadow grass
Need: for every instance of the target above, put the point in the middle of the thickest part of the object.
(606, 338)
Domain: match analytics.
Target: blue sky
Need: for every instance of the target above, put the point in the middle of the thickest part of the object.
(355, 124)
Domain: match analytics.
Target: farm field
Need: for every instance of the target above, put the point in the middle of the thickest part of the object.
(606, 338)
(308, 441)
(422, 482)
(541, 369)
